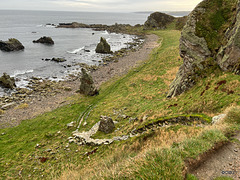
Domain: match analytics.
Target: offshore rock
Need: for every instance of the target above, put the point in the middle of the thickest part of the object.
(158, 20)
(44, 40)
(11, 45)
(103, 47)
(87, 86)
(7, 82)
(209, 40)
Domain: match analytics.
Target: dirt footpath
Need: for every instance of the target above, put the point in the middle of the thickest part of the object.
(223, 162)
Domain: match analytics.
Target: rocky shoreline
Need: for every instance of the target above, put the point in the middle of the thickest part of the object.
(44, 95)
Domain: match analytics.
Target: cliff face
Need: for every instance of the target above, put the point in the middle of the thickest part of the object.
(210, 40)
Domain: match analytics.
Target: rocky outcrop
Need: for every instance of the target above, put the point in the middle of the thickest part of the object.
(103, 47)
(158, 20)
(106, 124)
(11, 45)
(87, 86)
(44, 40)
(7, 82)
(58, 60)
(209, 40)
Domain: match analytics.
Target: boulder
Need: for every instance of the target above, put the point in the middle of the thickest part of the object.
(7, 82)
(44, 40)
(158, 20)
(11, 45)
(103, 47)
(209, 42)
(87, 86)
(106, 124)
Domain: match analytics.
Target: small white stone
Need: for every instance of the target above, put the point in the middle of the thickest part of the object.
(218, 118)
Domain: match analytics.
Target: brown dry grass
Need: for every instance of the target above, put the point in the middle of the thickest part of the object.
(170, 75)
(150, 77)
(118, 162)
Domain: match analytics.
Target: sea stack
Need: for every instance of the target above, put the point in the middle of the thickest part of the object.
(103, 47)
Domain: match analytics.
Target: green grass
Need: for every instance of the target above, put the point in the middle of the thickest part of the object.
(213, 23)
(140, 92)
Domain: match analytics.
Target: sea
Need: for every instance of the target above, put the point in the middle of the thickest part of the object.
(75, 45)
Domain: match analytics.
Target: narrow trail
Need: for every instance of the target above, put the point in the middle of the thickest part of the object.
(222, 162)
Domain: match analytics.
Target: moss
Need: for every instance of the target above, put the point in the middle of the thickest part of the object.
(213, 23)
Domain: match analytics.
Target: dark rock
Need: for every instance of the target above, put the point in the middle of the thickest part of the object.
(11, 45)
(158, 20)
(106, 125)
(7, 82)
(103, 47)
(209, 42)
(44, 40)
(87, 86)
(59, 60)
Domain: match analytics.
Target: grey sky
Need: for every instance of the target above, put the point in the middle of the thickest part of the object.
(101, 5)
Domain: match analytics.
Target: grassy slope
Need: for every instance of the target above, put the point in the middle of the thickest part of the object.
(141, 92)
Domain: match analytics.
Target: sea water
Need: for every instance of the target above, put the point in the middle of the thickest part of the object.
(75, 45)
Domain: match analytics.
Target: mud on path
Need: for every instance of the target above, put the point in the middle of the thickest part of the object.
(41, 104)
(224, 161)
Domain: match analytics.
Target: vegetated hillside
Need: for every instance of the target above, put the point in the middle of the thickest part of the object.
(158, 20)
(40, 148)
(209, 43)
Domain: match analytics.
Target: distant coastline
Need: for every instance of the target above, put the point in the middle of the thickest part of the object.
(172, 13)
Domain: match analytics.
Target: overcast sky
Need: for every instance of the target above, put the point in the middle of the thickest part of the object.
(101, 5)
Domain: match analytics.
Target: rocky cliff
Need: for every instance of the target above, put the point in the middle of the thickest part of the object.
(210, 41)
(158, 20)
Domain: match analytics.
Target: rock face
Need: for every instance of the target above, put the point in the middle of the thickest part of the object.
(87, 86)
(103, 47)
(210, 40)
(106, 125)
(11, 45)
(7, 82)
(158, 20)
(44, 40)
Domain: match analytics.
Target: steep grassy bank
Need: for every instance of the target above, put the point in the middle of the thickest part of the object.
(140, 94)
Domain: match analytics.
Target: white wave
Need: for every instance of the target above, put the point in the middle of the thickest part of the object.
(76, 50)
(40, 25)
(105, 32)
(21, 72)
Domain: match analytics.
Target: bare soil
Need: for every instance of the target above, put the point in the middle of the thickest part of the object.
(224, 161)
(41, 104)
